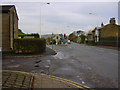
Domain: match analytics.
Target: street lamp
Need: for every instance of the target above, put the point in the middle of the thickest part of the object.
(97, 17)
(41, 17)
(52, 40)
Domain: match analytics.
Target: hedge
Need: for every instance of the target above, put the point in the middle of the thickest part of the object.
(29, 45)
(36, 35)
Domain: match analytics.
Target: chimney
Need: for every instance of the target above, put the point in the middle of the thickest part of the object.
(112, 21)
(102, 24)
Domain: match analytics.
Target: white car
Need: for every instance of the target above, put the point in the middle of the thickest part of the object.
(0, 49)
(68, 41)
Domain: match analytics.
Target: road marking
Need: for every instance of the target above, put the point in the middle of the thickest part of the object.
(69, 82)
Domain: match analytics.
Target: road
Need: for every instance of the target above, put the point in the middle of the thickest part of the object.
(94, 66)
(89, 65)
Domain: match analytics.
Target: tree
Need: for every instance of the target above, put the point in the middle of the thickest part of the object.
(83, 37)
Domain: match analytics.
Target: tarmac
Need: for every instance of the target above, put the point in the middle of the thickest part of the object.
(12, 79)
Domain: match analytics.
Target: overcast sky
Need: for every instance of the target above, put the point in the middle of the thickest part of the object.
(63, 17)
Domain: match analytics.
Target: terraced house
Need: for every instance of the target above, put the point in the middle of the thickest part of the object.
(109, 34)
(106, 35)
(9, 26)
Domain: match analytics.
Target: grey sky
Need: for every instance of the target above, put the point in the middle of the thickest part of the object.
(63, 17)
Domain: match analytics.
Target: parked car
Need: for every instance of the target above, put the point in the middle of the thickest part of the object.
(68, 42)
(0, 49)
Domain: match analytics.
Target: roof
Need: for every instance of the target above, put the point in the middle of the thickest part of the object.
(98, 27)
(6, 8)
(90, 31)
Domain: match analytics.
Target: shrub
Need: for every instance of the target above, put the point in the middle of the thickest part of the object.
(90, 42)
(83, 37)
(29, 45)
(52, 42)
(60, 42)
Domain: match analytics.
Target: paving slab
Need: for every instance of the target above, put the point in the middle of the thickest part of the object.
(18, 79)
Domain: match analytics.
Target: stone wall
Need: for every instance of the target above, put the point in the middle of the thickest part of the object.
(5, 32)
(115, 42)
(9, 29)
(0, 30)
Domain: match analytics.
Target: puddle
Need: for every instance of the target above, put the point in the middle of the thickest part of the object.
(48, 61)
(47, 66)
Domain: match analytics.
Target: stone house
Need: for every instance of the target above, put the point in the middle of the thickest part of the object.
(78, 33)
(97, 33)
(75, 36)
(9, 26)
(57, 38)
(109, 34)
(91, 34)
(20, 31)
(106, 35)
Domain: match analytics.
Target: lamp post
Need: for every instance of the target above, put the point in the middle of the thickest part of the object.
(117, 39)
(41, 17)
(52, 40)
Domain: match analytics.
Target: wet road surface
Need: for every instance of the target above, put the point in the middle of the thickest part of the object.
(89, 65)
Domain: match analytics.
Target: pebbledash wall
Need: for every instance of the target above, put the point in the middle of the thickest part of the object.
(109, 34)
(9, 26)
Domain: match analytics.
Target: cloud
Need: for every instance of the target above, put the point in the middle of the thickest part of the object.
(64, 17)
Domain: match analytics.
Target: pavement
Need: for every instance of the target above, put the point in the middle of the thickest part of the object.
(23, 80)
(22, 72)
